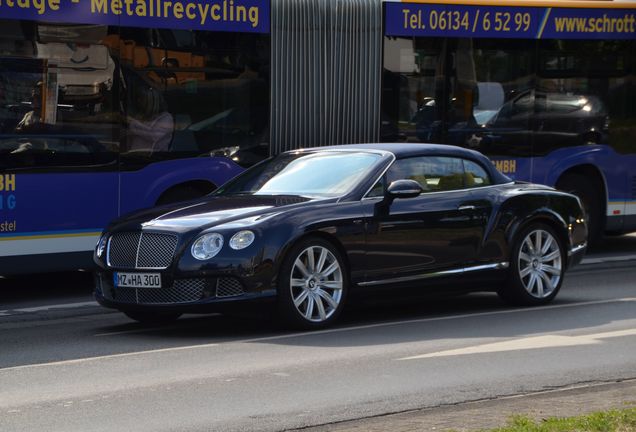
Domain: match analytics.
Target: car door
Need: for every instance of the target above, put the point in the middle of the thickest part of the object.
(411, 238)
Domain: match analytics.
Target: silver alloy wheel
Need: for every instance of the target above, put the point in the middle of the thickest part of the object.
(540, 263)
(316, 283)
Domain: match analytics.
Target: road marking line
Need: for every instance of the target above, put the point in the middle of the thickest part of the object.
(105, 357)
(435, 319)
(607, 259)
(320, 332)
(9, 312)
(392, 323)
(535, 342)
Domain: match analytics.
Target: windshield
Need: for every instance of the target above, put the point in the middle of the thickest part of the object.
(323, 174)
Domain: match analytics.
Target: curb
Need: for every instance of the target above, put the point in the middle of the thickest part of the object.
(607, 259)
(478, 415)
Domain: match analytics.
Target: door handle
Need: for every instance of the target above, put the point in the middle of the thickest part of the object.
(466, 207)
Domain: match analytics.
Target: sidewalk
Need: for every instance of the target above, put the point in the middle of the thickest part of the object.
(472, 416)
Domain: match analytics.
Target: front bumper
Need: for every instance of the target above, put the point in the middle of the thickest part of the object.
(575, 254)
(187, 295)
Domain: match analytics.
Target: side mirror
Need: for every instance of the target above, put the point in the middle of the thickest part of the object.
(404, 189)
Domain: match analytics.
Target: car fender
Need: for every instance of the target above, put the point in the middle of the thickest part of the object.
(538, 211)
(318, 221)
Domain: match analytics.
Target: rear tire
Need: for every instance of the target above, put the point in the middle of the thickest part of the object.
(590, 193)
(152, 317)
(312, 285)
(537, 266)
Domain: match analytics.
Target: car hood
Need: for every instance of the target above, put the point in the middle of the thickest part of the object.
(206, 212)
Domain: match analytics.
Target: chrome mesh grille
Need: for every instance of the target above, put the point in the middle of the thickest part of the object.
(136, 250)
(183, 291)
(122, 249)
(229, 287)
(156, 250)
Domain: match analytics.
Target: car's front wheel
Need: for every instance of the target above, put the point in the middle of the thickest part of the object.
(536, 268)
(312, 284)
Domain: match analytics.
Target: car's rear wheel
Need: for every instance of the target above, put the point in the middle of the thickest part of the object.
(145, 317)
(536, 268)
(312, 285)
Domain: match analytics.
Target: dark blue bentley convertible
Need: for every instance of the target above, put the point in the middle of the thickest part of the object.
(307, 227)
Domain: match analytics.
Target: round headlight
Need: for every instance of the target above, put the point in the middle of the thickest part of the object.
(101, 245)
(207, 246)
(242, 239)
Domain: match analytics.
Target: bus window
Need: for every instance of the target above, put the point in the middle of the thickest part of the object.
(56, 104)
(97, 121)
(560, 112)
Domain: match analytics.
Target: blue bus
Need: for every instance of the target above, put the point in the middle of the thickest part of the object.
(108, 107)
(546, 89)
(108, 114)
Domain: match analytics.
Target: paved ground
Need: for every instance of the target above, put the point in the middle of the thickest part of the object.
(486, 414)
(72, 366)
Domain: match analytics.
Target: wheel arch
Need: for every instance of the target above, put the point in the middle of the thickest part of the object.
(333, 240)
(592, 172)
(190, 189)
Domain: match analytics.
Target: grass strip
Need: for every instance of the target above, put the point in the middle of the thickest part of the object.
(619, 420)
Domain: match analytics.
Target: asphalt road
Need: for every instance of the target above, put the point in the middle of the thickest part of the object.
(87, 369)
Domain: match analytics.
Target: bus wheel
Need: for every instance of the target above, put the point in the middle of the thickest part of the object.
(590, 194)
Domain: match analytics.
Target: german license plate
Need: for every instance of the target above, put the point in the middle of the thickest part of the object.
(137, 280)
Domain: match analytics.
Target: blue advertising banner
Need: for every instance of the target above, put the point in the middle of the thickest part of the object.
(454, 20)
(213, 15)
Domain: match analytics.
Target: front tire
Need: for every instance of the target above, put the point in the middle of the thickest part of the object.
(312, 285)
(537, 267)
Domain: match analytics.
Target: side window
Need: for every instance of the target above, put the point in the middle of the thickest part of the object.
(377, 190)
(433, 173)
(475, 175)
(410, 169)
(446, 173)
(168, 73)
(400, 169)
